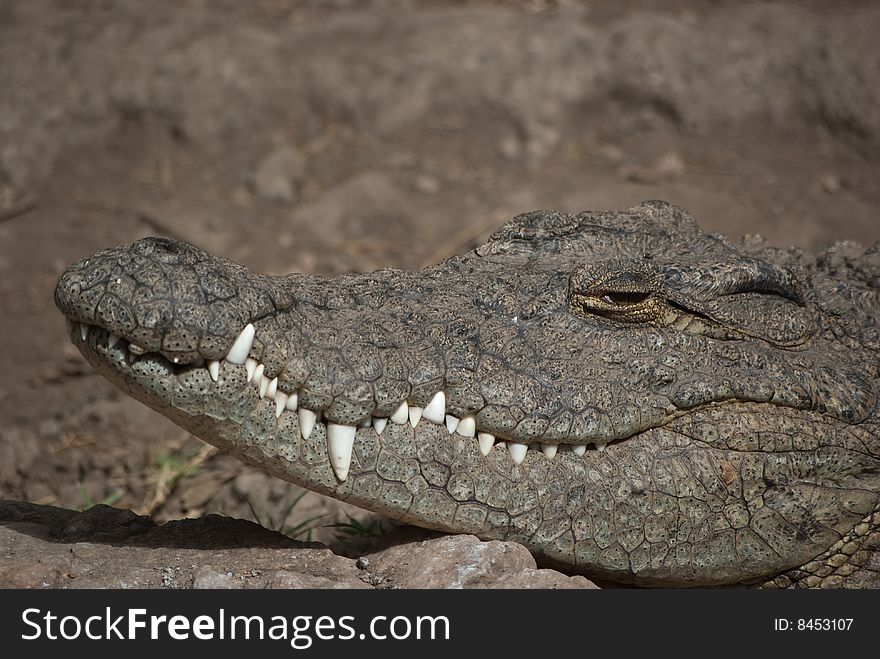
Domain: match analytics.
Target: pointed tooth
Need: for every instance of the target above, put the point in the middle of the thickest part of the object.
(550, 450)
(307, 419)
(113, 339)
(251, 365)
(280, 403)
(401, 414)
(517, 451)
(379, 423)
(452, 423)
(264, 387)
(600, 446)
(340, 440)
(467, 427)
(242, 346)
(292, 401)
(83, 331)
(579, 449)
(258, 374)
(272, 389)
(214, 369)
(487, 441)
(435, 410)
(415, 415)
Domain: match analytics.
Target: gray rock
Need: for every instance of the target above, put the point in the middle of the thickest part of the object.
(104, 547)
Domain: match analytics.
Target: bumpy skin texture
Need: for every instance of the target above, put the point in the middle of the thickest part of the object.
(736, 386)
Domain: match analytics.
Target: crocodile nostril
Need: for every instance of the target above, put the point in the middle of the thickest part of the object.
(164, 249)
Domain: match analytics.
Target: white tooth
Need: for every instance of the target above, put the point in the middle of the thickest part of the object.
(579, 449)
(272, 389)
(258, 374)
(292, 400)
(467, 427)
(379, 423)
(365, 423)
(307, 419)
(264, 386)
(452, 423)
(435, 411)
(239, 351)
(517, 452)
(214, 369)
(176, 360)
(415, 415)
(83, 330)
(487, 441)
(251, 366)
(600, 446)
(550, 450)
(401, 414)
(340, 440)
(112, 340)
(280, 403)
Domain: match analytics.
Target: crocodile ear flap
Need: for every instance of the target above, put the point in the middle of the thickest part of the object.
(752, 296)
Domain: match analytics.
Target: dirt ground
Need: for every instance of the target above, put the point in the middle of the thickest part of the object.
(330, 136)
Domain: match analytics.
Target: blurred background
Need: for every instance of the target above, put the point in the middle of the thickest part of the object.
(330, 136)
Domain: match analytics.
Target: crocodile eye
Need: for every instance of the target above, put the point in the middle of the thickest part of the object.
(621, 299)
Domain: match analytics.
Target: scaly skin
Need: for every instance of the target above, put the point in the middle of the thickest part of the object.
(734, 385)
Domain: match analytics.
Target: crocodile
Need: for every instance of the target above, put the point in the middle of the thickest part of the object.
(629, 397)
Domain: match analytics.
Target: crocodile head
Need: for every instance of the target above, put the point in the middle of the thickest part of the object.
(627, 396)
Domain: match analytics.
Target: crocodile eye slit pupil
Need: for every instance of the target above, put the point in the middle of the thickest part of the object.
(623, 299)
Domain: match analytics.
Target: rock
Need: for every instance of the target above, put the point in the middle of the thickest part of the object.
(104, 547)
(464, 561)
(277, 177)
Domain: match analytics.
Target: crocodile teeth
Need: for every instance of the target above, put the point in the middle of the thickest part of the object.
(83, 331)
(307, 419)
(401, 414)
(251, 366)
(264, 386)
(272, 388)
(486, 441)
(280, 403)
(435, 411)
(415, 415)
(113, 339)
(579, 449)
(550, 450)
(517, 452)
(467, 427)
(292, 401)
(452, 423)
(340, 440)
(600, 446)
(379, 423)
(258, 374)
(242, 346)
(214, 369)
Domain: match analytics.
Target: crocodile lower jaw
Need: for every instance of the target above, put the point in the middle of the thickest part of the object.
(340, 437)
